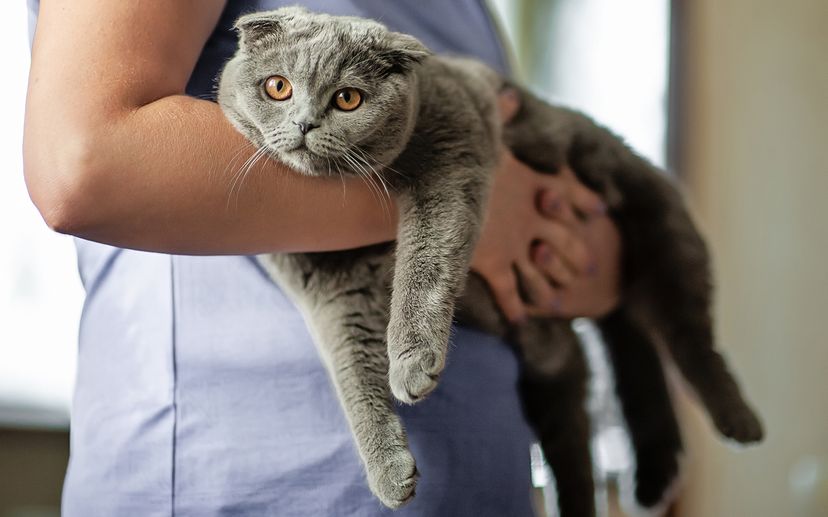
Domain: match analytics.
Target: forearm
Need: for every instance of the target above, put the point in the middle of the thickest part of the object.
(114, 152)
(172, 177)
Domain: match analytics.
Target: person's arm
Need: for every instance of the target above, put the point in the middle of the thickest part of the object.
(115, 152)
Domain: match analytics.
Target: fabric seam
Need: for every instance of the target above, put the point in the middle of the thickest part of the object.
(174, 387)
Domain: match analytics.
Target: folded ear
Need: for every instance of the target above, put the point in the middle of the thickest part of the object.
(256, 28)
(401, 52)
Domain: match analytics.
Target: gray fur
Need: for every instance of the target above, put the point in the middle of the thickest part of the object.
(441, 197)
(381, 316)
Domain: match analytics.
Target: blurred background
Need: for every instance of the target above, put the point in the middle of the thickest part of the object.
(730, 96)
(40, 304)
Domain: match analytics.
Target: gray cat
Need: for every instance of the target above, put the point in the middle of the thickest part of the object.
(333, 95)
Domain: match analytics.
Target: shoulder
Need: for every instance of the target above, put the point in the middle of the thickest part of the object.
(464, 69)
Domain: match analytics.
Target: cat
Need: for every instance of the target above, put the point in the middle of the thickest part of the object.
(331, 95)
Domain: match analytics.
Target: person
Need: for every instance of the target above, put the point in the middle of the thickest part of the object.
(199, 391)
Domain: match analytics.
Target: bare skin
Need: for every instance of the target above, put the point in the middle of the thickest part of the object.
(115, 152)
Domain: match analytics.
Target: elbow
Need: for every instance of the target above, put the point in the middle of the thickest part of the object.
(61, 180)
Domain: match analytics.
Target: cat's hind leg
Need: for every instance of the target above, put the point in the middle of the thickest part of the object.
(346, 309)
(554, 393)
(647, 408)
(670, 295)
(667, 272)
(353, 345)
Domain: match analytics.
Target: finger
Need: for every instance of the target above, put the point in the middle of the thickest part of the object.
(553, 205)
(583, 200)
(505, 290)
(552, 265)
(566, 244)
(587, 201)
(508, 104)
(536, 286)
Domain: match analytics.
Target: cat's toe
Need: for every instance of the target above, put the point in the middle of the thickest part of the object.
(414, 375)
(393, 478)
(742, 426)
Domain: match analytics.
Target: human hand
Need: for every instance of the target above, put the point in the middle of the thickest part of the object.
(596, 293)
(546, 237)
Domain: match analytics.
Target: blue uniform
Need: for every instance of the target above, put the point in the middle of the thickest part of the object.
(200, 393)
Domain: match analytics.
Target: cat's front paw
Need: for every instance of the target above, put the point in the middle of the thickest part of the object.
(741, 425)
(414, 373)
(392, 476)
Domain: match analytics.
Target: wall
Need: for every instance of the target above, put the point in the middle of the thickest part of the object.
(754, 128)
(32, 465)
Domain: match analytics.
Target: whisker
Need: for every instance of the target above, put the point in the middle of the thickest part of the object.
(235, 156)
(341, 177)
(355, 167)
(382, 165)
(243, 173)
(376, 175)
(355, 161)
(371, 176)
(238, 175)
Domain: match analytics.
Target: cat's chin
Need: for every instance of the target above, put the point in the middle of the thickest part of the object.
(309, 163)
(304, 161)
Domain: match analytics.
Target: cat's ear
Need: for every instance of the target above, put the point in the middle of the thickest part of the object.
(257, 28)
(400, 52)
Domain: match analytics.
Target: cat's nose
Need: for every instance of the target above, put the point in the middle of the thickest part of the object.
(304, 127)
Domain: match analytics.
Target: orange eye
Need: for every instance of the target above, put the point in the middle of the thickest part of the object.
(278, 88)
(347, 99)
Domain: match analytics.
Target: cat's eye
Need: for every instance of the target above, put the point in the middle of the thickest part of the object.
(278, 88)
(347, 99)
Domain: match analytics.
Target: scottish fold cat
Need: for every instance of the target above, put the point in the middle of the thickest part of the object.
(333, 95)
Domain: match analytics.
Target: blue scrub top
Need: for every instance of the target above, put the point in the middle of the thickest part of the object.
(199, 391)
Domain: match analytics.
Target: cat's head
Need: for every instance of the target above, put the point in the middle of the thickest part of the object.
(322, 93)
